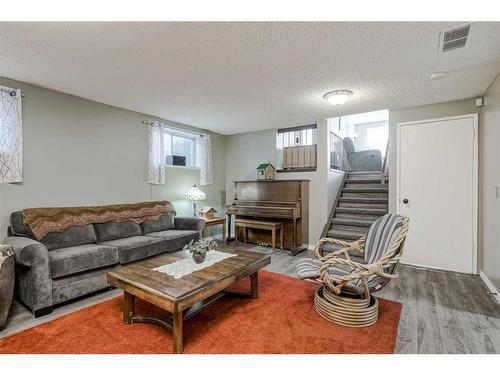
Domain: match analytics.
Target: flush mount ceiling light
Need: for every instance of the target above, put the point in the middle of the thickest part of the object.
(438, 75)
(337, 97)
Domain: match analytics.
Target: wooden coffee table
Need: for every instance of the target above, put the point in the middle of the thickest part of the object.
(186, 296)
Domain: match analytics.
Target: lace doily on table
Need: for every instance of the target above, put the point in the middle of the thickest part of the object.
(186, 266)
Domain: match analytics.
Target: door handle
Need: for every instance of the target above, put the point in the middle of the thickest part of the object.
(405, 201)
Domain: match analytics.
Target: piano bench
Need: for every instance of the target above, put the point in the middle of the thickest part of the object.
(273, 226)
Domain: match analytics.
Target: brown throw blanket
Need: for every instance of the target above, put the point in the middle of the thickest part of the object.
(57, 219)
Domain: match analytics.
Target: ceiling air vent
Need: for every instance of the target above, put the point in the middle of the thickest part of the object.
(455, 38)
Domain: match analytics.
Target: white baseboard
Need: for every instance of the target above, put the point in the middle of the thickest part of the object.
(433, 268)
(490, 286)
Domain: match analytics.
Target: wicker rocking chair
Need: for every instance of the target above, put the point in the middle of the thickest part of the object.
(345, 296)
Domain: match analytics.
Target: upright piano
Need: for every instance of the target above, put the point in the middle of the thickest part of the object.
(274, 200)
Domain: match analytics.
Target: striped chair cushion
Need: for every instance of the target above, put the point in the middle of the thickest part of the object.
(309, 269)
(381, 235)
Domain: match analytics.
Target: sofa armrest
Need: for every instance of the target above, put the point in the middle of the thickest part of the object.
(33, 281)
(189, 223)
(27, 251)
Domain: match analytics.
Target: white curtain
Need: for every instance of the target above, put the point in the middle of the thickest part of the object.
(206, 162)
(156, 155)
(11, 136)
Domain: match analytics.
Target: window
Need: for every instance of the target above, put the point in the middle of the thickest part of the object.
(11, 136)
(181, 148)
(368, 130)
(376, 138)
(297, 148)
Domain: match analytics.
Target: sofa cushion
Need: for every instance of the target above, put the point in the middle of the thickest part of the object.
(71, 260)
(164, 222)
(137, 247)
(112, 230)
(80, 284)
(73, 236)
(18, 227)
(176, 239)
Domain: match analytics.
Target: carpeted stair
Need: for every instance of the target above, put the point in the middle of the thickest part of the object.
(364, 199)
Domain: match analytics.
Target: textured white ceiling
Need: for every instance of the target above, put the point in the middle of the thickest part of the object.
(240, 77)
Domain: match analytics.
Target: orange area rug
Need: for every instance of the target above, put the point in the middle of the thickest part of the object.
(281, 320)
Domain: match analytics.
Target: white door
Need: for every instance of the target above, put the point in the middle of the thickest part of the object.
(437, 190)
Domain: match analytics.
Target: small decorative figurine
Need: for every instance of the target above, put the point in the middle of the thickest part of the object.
(207, 212)
(266, 171)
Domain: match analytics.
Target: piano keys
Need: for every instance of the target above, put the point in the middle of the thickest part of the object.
(274, 200)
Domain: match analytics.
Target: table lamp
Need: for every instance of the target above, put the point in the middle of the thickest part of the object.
(195, 194)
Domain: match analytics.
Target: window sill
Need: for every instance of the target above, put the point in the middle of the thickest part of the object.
(311, 169)
(182, 167)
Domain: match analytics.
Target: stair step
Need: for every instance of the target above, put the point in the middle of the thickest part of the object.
(352, 222)
(354, 216)
(364, 173)
(365, 194)
(349, 228)
(364, 200)
(365, 180)
(361, 210)
(366, 188)
(329, 247)
(382, 206)
(345, 235)
(354, 255)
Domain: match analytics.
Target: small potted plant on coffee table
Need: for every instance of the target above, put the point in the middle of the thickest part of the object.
(199, 249)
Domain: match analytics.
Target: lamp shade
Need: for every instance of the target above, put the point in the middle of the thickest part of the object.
(195, 194)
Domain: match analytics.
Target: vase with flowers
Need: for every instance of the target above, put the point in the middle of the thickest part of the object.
(199, 249)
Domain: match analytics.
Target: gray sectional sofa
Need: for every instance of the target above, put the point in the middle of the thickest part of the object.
(63, 266)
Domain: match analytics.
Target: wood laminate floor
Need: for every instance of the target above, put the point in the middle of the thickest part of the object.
(443, 312)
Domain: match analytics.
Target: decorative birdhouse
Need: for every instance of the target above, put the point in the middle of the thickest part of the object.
(208, 212)
(266, 171)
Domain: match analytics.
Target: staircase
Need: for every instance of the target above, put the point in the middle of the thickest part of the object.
(362, 201)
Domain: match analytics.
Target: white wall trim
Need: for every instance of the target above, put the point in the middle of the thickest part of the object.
(475, 118)
(169, 166)
(490, 286)
(433, 268)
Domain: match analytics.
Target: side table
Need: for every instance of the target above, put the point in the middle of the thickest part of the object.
(211, 221)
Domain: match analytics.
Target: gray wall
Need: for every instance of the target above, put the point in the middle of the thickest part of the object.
(490, 179)
(79, 152)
